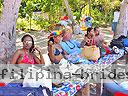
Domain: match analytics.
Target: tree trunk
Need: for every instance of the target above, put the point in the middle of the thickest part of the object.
(68, 10)
(30, 23)
(89, 3)
(8, 29)
(122, 26)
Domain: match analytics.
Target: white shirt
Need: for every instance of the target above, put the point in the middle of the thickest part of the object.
(116, 16)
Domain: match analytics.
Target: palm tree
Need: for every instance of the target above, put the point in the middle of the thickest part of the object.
(89, 3)
(68, 10)
(8, 29)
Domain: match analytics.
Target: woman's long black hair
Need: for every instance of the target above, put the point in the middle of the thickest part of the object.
(89, 29)
(27, 35)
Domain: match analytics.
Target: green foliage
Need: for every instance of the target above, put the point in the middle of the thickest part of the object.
(1, 6)
(24, 24)
(51, 7)
(77, 6)
(101, 11)
(43, 23)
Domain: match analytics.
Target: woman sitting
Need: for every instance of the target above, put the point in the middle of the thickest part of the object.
(90, 51)
(89, 38)
(26, 55)
(55, 51)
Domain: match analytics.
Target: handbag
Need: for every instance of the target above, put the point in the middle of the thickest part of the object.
(91, 52)
(116, 42)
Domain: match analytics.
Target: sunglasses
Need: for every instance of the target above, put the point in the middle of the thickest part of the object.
(29, 42)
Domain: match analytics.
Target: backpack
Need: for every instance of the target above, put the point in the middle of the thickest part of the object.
(116, 42)
(120, 43)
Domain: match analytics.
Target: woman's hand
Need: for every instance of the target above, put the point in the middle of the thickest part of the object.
(37, 49)
(50, 43)
(41, 59)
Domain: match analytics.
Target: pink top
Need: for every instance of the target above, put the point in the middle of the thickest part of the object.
(26, 59)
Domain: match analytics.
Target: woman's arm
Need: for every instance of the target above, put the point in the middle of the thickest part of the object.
(41, 60)
(52, 56)
(37, 60)
(84, 42)
(15, 57)
(93, 41)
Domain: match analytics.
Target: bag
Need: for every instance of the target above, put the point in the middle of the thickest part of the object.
(115, 50)
(117, 43)
(122, 37)
(91, 52)
(36, 82)
(25, 91)
(125, 41)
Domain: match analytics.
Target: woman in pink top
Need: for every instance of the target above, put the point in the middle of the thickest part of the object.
(26, 55)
